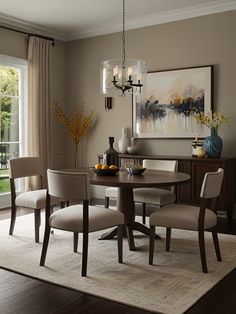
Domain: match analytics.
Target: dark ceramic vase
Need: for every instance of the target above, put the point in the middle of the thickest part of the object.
(111, 156)
(213, 144)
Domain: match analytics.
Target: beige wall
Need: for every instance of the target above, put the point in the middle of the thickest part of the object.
(194, 42)
(16, 45)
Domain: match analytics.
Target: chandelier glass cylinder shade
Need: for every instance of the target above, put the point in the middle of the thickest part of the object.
(119, 80)
(123, 76)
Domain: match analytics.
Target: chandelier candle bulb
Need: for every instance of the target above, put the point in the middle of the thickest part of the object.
(130, 71)
(115, 71)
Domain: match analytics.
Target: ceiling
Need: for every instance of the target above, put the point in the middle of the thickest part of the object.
(74, 19)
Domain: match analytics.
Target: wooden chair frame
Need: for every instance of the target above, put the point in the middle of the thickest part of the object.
(37, 212)
(76, 236)
(201, 235)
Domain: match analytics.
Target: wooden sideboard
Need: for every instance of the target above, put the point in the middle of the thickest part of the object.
(189, 192)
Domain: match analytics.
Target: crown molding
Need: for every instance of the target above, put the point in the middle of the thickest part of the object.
(22, 25)
(160, 18)
(143, 21)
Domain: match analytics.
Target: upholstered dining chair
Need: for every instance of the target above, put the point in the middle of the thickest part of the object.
(23, 167)
(80, 218)
(188, 217)
(154, 196)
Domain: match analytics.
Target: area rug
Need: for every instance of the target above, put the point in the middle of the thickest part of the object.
(171, 286)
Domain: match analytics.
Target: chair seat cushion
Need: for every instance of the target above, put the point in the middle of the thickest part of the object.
(155, 196)
(181, 217)
(111, 192)
(34, 199)
(71, 218)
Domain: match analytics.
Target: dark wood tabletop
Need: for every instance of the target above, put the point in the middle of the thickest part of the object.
(150, 178)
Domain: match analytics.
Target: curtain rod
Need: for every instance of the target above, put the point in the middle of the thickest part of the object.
(29, 34)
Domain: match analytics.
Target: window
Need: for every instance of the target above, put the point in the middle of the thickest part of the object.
(12, 114)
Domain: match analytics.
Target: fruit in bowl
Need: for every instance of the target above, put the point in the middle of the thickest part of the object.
(105, 170)
(98, 166)
(104, 167)
(113, 167)
(134, 169)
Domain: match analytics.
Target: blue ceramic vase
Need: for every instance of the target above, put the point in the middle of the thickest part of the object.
(213, 144)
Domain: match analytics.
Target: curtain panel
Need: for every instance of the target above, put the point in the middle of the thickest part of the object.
(39, 112)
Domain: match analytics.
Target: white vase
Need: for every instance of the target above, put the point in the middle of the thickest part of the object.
(133, 149)
(123, 141)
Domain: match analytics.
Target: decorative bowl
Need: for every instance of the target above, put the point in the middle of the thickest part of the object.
(105, 172)
(135, 170)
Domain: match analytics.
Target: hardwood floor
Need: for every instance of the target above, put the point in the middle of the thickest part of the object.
(23, 295)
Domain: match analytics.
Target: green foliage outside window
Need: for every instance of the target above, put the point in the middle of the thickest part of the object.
(9, 102)
(9, 119)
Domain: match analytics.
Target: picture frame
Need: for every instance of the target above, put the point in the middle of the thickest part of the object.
(170, 102)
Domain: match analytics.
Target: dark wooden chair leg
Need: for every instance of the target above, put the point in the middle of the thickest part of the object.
(168, 237)
(106, 202)
(151, 244)
(130, 237)
(217, 246)
(229, 214)
(120, 243)
(51, 212)
(202, 250)
(76, 238)
(13, 220)
(45, 246)
(84, 254)
(37, 222)
(144, 213)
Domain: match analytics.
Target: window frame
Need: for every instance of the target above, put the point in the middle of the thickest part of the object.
(22, 66)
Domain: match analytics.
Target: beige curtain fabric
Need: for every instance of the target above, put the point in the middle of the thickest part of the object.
(39, 117)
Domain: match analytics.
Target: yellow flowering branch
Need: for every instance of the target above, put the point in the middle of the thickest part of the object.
(213, 120)
(76, 124)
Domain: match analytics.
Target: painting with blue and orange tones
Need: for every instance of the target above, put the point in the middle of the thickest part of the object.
(171, 101)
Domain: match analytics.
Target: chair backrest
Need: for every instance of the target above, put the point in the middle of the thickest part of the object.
(168, 165)
(25, 167)
(68, 185)
(211, 185)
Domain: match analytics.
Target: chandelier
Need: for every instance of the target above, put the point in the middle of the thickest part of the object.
(123, 76)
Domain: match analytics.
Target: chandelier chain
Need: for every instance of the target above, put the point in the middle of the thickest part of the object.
(123, 38)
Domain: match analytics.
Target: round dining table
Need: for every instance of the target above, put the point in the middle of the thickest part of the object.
(125, 201)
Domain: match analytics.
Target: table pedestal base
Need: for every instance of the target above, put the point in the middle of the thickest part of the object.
(128, 232)
(125, 204)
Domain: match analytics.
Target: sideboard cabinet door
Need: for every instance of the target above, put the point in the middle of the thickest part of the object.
(184, 191)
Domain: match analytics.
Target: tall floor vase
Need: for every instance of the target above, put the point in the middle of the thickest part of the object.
(213, 144)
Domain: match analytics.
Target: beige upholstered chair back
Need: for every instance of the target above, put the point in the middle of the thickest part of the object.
(25, 167)
(211, 185)
(168, 165)
(68, 185)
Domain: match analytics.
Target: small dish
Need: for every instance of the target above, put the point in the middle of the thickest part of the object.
(135, 170)
(105, 172)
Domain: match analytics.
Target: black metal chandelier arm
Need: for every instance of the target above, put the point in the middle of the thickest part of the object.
(137, 85)
(123, 87)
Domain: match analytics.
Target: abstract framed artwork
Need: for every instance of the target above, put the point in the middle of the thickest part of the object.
(171, 101)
